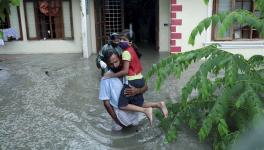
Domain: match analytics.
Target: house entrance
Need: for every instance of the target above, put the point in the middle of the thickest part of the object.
(142, 16)
(139, 15)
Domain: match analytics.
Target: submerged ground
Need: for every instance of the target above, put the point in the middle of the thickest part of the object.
(51, 102)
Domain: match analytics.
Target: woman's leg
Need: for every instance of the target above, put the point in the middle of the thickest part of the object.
(161, 105)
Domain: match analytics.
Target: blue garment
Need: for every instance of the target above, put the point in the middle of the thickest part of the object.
(110, 89)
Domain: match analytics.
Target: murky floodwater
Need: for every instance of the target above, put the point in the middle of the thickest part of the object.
(51, 102)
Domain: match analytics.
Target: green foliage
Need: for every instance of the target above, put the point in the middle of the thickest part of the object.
(15, 2)
(259, 5)
(5, 7)
(1, 35)
(225, 104)
(227, 19)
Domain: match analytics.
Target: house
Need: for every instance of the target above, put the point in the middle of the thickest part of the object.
(55, 31)
(83, 26)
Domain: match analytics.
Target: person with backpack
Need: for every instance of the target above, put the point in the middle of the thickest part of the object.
(113, 44)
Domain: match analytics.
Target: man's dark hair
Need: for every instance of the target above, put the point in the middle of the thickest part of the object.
(108, 54)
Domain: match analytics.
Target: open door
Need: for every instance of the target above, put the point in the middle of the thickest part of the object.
(99, 24)
(157, 47)
(109, 18)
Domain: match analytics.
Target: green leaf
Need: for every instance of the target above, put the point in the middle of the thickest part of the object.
(205, 130)
(256, 60)
(207, 23)
(222, 16)
(1, 35)
(227, 20)
(215, 19)
(222, 128)
(193, 35)
(206, 1)
(193, 123)
(191, 40)
(200, 27)
(240, 18)
(15, 2)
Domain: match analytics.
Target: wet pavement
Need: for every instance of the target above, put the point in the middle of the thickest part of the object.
(51, 102)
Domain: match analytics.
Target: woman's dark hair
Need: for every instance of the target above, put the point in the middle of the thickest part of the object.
(125, 35)
(136, 50)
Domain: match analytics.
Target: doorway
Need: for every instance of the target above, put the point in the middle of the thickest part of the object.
(142, 16)
(139, 15)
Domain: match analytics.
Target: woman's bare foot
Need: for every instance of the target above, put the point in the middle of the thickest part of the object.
(164, 109)
(148, 112)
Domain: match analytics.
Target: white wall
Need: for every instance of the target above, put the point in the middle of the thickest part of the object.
(247, 53)
(164, 31)
(193, 11)
(92, 45)
(47, 46)
(245, 48)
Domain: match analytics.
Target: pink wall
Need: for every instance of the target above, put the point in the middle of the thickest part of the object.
(174, 34)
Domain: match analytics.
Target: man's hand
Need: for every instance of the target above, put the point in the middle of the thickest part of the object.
(108, 74)
(131, 91)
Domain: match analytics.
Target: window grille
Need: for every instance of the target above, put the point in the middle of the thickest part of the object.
(113, 17)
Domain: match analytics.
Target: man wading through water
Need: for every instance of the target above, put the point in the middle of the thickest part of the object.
(131, 68)
(110, 90)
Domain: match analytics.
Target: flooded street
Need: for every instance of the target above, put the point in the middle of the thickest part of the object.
(51, 102)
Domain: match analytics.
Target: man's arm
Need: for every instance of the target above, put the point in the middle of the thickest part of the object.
(121, 73)
(132, 91)
(111, 112)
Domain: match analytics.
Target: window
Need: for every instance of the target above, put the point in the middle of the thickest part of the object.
(237, 31)
(113, 19)
(5, 23)
(13, 22)
(48, 19)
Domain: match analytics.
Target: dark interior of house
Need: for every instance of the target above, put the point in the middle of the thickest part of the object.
(141, 14)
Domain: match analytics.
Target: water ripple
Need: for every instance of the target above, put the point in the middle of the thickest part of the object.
(61, 110)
